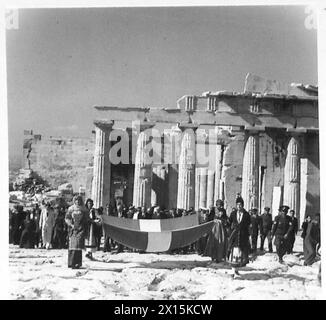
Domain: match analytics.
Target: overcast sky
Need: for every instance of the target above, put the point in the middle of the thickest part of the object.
(61, 62)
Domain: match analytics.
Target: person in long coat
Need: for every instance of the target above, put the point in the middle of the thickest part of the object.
(254, 229)
(58, 239)
(47, 221)
(91, 241)
(238, 247)
(202, 241)
(216, 246)
(27, 239)
(37, 215)
(293, 233)
(311, 240)
(17, 222)
(77, 220)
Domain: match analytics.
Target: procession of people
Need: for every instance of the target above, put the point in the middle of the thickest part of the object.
(233, 238)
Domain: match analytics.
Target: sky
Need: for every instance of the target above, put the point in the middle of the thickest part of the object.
(62, 62)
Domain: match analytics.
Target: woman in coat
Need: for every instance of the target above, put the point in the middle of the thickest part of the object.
(77, 220)
(238, 247)
(216, 246)
(27, 239)
(58, 239)
(311, 240)
(93, 230)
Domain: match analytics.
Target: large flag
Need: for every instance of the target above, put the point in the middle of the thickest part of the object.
(155, 235)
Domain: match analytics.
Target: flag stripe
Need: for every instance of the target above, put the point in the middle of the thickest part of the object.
(159, 242)
(130, 238)
(179, 223)
(121, 222)
(148, 225)
(184, 237)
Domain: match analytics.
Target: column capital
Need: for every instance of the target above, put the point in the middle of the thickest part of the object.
(143, 125)
(103, 124)
(296, 131)
(255, 129)
(184, 126)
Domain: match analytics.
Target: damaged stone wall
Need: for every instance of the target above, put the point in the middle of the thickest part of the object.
(60, 160)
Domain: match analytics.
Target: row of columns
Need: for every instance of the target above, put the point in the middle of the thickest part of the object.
(250, 173)
(195, 187)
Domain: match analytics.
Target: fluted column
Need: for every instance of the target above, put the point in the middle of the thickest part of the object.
(102, 165)
(143, 171)
(250, 172)
(173, 166)
(218, 169)
(159, 186)
(187, 162)
(203, 188)
(197, 188)
(210, 189)
(291, 196)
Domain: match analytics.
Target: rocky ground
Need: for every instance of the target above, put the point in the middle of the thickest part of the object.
(43, 274)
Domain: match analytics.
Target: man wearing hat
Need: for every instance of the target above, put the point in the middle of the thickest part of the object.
(266, 224)
(219, 207)
(281, 229)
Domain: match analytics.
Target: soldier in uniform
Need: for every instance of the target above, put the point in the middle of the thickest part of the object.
(293, 233)
(266, 224)
(254, 228)
(281, 229)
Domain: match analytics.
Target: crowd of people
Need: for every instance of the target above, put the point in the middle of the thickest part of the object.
(233, 238)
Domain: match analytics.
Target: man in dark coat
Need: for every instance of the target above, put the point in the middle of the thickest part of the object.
(58, 238)
(281, 229)
(254, 228)
(293, 232)
(18, 219)
(37, 214)
(311, 240)
(202, 241)
(27, 239)
(266, 223)
(238, 246)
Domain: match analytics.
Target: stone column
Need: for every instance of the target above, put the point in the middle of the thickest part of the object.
(250, 172)
(291, 195)
(187, 163)
(143, 170)
(159, 186)
(102, 166)
(218, 169)
(203, 188)
(210, 188)
(173, 166)
(197, 188)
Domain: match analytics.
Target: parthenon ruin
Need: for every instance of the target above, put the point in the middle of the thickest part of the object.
(264, 143)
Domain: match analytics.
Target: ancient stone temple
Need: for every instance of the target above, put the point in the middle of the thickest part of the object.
(262, 143)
